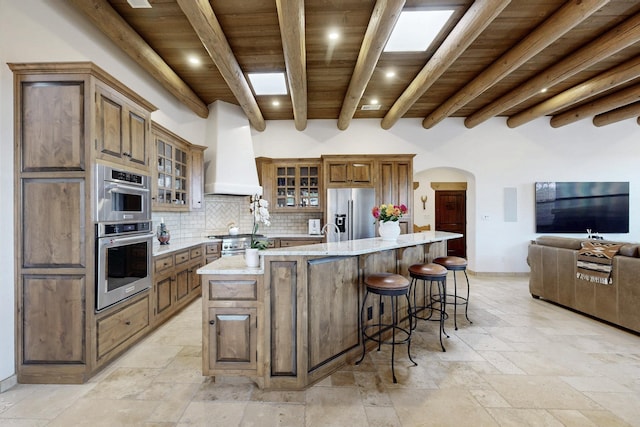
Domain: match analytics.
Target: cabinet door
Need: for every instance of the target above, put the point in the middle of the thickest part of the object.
(172, 185)
(164, 295)
(349, 172)
(182, 284)
(194, 278)
(136, 137)
(396, 186)
(196, 191)
(121, 129)
(232, 338)
(297, 186)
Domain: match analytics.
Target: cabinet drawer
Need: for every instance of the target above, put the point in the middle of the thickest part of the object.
(162, 263)
(233, 290)
(182, 256)
(195, 253)
(213, 248)
(288, 243)
(122, 325)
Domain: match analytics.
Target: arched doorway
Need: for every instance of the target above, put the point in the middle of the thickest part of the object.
(456, 191)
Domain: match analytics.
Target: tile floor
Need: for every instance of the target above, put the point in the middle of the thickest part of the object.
(523, 362)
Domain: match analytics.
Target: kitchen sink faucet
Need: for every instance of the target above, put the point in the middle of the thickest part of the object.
(335, 228)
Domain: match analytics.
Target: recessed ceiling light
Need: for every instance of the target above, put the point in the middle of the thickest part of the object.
(333, 35)
(374, 101)
(194, 60)
(139, 4)
(416, 30)
(275, 103)
(543, 90)
(390, 74)
(268, 83)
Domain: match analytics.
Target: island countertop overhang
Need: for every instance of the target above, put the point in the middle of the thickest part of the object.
(227, 265)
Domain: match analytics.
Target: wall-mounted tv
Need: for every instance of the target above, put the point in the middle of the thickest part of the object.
(574, 207)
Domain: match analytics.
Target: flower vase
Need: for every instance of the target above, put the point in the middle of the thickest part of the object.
(252, 258)
(389, 230)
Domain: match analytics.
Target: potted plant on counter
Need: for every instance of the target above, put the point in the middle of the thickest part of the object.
(388, 215)
(259, 208)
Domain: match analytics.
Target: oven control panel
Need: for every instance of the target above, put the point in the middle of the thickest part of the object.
(123, 228)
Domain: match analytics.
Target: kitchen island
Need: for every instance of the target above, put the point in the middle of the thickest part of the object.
(295, 319)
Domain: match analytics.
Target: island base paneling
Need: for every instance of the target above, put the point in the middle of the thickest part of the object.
(310, 309)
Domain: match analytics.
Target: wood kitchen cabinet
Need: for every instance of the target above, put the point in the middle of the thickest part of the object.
(348, 171)
(177, 177)
(175, 282)
(68, 116)
(396, 186)
(291, 185)
(232, 305)
(122, 129)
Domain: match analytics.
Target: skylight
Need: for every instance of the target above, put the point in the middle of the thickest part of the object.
(416, 30)
(268, 83)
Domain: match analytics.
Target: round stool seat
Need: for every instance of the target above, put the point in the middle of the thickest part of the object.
(387, 283)
(427, 270)
(452, 262)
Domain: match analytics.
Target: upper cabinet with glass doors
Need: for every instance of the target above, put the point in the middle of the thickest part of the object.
(291, 184)
(174, 184)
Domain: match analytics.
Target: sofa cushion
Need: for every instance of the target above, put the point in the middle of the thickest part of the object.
(631, 250)
(560, 242)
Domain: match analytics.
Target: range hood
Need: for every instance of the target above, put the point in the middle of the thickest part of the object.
(229, 162)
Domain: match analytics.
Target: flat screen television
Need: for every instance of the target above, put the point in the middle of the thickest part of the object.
(574, 207)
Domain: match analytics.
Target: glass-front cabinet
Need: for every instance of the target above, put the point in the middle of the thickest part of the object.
(292, 184)
(174, 187)
(172, 173)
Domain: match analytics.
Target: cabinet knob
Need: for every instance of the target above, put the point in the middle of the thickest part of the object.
(212, 322)
(128, 322)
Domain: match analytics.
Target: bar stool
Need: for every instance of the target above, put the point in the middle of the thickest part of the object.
(455, 264)
(433, 273)
(392, 286)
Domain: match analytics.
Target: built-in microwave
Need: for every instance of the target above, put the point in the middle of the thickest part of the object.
(121, 195)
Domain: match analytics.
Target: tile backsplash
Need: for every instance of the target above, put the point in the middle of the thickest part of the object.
(220, 211)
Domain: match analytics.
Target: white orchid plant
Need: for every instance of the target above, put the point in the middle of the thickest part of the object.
(259, 208)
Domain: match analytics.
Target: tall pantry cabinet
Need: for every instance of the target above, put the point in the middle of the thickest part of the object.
(66, 115)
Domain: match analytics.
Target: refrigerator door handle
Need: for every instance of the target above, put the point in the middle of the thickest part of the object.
(350, 221)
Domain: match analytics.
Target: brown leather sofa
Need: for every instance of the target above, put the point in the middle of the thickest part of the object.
(553, 277)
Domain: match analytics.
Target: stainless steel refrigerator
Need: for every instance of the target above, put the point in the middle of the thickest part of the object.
(350, 210)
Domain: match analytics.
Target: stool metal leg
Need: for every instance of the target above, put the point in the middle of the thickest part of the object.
(466, 306)
(362, 327)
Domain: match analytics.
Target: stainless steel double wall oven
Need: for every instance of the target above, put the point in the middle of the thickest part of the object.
(124, 237)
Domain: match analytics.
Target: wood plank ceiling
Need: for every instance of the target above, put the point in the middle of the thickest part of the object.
(493, 58)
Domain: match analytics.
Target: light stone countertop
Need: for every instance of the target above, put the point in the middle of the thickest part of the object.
(225, 265)
(234, 264)
(178, 244)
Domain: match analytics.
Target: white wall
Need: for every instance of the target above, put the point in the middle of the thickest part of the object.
(495, 157)
(492, 155)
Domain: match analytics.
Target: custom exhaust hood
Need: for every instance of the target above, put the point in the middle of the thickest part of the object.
(229, 163)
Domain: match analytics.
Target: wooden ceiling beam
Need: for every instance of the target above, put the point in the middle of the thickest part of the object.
(612, 41)
(617, 115)
(609, 79)
(292, 32)
(383, 20)
(568, 16)
(616, 100)
(204, 22)
(107, 20)
(477, 18)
